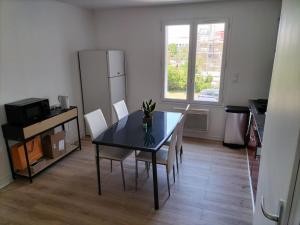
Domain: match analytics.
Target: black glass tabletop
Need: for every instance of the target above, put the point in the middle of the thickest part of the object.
(129, 132)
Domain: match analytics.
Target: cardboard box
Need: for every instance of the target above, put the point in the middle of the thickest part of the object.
(54, 145)
(46, 133)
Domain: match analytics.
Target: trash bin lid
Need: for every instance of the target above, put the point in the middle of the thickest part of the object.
(236, 109)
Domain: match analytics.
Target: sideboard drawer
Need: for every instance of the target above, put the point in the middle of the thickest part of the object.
(37, 128)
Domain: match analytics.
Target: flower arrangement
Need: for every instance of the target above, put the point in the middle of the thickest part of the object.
(148, 108)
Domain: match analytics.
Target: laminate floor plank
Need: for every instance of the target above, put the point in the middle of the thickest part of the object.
(211, 188)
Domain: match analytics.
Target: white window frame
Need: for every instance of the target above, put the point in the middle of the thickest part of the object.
(192, 57)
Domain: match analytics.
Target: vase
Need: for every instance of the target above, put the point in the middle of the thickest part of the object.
(147, 120)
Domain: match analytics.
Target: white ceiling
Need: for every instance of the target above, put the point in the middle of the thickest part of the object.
(98, 4)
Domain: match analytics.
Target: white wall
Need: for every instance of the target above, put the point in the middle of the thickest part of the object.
(38, 44)
(252, 39)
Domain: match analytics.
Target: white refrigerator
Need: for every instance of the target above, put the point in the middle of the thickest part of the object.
(103, 82)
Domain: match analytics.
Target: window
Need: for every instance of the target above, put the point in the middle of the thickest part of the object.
(193, 61)
(177, 60)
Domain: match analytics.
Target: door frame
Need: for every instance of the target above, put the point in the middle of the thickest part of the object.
(293, 184)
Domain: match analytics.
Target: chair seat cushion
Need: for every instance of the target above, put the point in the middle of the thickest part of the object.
(114, 153)
(161, 156)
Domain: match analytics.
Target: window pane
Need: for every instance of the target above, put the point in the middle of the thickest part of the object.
(210, 41)
(176, 67)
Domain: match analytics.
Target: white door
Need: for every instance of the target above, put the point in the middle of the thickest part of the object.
(117, 92)
(116, 63)
(279, 153)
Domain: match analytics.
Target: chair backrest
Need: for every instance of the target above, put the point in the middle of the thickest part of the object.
(172, 148)
(187, 109)
(120, 109)
(180, 128)
(96, 123)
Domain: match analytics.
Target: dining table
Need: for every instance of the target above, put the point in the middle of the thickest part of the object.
(131, 133)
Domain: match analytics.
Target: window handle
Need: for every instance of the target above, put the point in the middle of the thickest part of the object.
(273, 217)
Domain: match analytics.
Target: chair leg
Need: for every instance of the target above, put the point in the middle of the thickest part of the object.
(181, 152)
(147, 167)
(168, 181)
(177, 160)
(174, 173)
(123, 178)
(145, 161)
(111, 166)
(136, 174)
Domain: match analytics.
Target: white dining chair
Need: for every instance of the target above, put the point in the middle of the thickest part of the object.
(97, 124)
(179, 149)
(180, 133)
(165, 156)
(120, 109)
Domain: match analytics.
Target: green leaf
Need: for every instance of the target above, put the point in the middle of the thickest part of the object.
(153, 107)
(144, 107)
(148, 106)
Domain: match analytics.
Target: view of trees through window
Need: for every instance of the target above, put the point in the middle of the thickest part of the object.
(207, 62)
(177, 43)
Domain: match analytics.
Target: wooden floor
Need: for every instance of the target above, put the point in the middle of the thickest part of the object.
(211, 188)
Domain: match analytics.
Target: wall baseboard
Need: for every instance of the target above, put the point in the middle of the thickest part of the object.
(250, 183)
(4, 181)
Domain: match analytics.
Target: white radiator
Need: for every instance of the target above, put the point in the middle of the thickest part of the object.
(197, 120)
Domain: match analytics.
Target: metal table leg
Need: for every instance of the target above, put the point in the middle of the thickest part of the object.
(27, 162)
(155, 184)
(98, 169)
(10, 159)
(78, 133)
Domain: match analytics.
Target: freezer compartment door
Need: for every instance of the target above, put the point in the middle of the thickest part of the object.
(116, 63)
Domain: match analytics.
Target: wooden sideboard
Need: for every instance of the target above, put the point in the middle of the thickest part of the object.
(24, 134)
